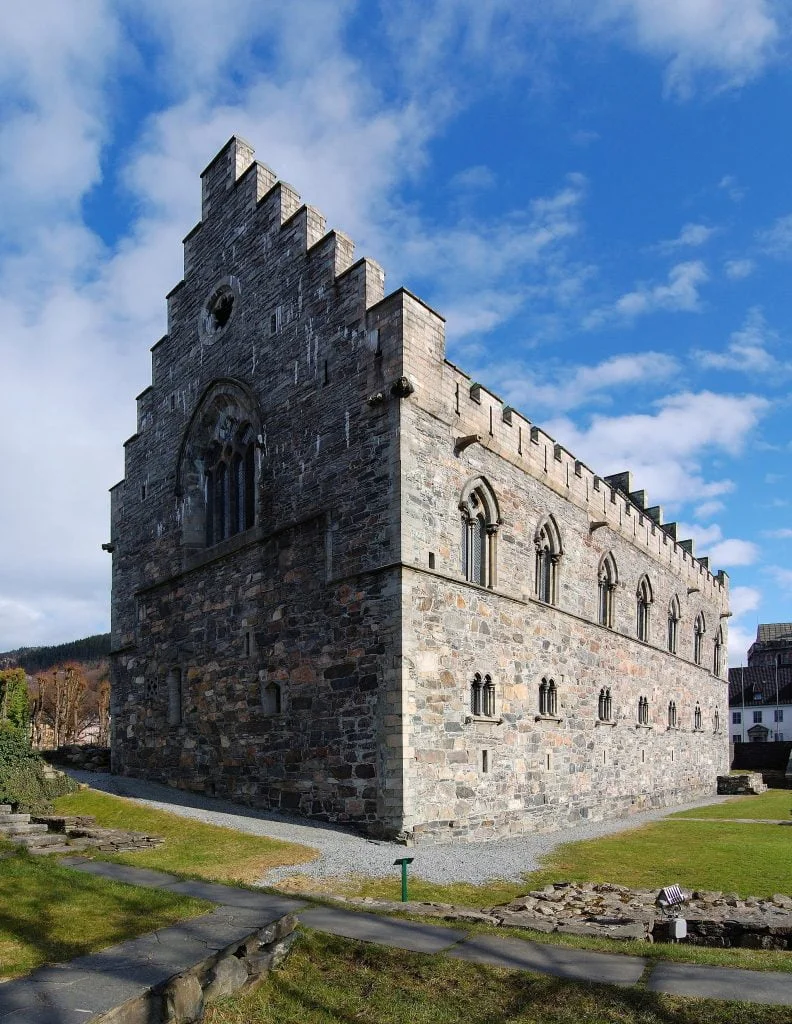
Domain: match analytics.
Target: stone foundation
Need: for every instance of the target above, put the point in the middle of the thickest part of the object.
(745, 784)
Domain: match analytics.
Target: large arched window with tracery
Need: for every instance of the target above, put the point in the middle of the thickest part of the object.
(480, 522)
(607, 578)
(547, 541)
(217, 467)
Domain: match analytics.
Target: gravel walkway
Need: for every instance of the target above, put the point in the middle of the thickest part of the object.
(344, 852)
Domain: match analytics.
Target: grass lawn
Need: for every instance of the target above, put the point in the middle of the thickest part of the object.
(51, 914)
(192, 848)
(327, 980)
(775, 803)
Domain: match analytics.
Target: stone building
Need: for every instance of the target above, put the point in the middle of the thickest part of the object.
(760, 695)
(349, 582)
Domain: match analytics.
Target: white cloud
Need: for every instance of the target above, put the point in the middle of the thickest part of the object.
(733, 189)
(777, 239)
(740, 639)
(569, 387)
(734, 552)
(738, 270)
(584, 137)
(782, 576)
(743, 600)
(679, 294)
(664, 448)
(785, 533)
(478, 177)
(747, 350)
(708, 509)
(691, 236)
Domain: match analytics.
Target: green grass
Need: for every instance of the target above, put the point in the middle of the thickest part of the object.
(328, 980)
(191, 849)
(775, 803)
(49, 914)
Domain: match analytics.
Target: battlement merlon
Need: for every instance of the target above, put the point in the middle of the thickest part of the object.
(223, 171)
(421, 331)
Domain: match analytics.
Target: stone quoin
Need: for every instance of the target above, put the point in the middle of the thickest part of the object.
(349, 582)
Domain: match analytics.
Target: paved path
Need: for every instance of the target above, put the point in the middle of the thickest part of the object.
(344, 852)
(93, 984)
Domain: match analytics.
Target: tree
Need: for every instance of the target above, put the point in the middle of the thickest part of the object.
(60, 710)
(14, 699)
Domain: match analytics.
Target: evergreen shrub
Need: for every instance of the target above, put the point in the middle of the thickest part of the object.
(23, 781)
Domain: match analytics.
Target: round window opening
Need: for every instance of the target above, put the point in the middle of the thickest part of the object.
(219, 308)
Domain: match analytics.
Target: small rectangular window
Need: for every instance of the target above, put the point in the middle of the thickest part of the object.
(779, 714)
(484, 761)
(736, 717)
(548, 762)
(143, 492)
(757, 717)
(736, 739)
(431, 560)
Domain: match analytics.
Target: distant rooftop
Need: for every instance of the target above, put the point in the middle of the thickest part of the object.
(767, 632)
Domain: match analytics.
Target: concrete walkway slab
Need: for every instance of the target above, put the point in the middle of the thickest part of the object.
(386, 931)
(97, 982)
(560, 961)
(722, 983)
(230, 896)
(120, 872)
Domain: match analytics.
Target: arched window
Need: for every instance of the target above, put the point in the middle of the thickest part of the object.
(674, 615)
(547, 541)
(699, 629)
(217, 464)
(480, 522)
(643, 711)
(644, 599)
(475, 695)
(605, 707)
(672, 715)
(607, 578)
(716, 721)
(717, 653)
(697, 717)
(548, 699)
(174, 684)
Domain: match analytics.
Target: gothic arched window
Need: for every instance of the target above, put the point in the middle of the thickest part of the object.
(717, 653)
(480, 522)
(697, 717)
(643, 711)
(699, 629)
(605, 707)
(643, 599)
(547, 542)
(607, 578)
(672, 715)
(548, 699)
(674, 615)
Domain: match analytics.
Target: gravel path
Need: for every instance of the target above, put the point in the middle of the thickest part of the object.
(344, 852)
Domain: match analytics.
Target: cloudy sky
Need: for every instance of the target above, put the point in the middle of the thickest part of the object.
(596, 193)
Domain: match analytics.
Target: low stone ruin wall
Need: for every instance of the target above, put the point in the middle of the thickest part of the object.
(80, 832)
(238, 968)
(616, 912)
(86, 756)
(744, 784)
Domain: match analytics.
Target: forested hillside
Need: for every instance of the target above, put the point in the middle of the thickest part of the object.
(36, 659)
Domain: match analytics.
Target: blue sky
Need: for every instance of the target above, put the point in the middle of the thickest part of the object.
(596, 195)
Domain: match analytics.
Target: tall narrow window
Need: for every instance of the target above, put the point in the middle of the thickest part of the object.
(547, 541)
(716, 721)
(237, 494)
(674, 616)
(643, 605)
(488, 697)
(174, 684)
(643, 711)
(221, 502)
(697, 717)
(480, 522)
(699, 628)
(672, 715)
(476, 695)
(717, 653)
(606, 584)
(250, 486)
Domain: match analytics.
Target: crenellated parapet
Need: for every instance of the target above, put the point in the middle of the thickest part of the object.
(611, 500)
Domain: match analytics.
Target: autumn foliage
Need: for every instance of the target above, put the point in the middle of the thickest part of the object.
(70, 703)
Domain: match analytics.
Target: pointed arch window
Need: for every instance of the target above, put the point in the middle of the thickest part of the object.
(716, 721)
(480, 522)
(230, 486)
(717, 653)
(607, 578)
(699, 629)
(643, 711)
(547, 542)
(674, 615)
(605, 706)
(697, 717)
(548, 699)
(672, 715)
(476, 687)
(643, 608)
(482, 696)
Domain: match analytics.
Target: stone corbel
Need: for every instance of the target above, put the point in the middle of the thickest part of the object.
(402, 387)
(597, 525)
(461, 443)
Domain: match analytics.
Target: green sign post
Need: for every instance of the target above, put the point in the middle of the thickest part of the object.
(404, 861)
